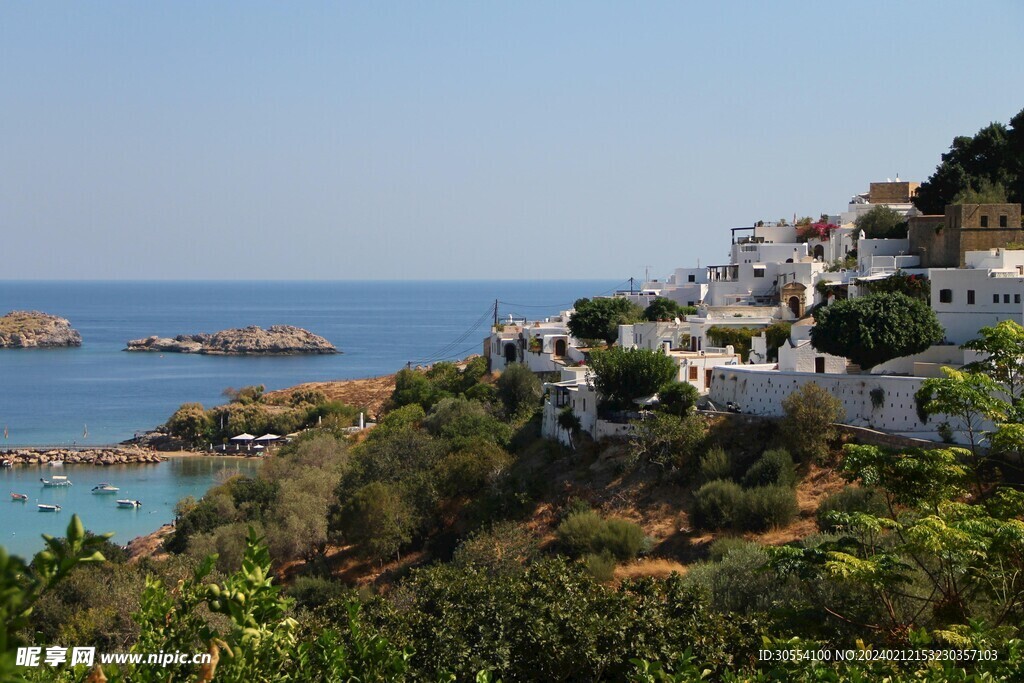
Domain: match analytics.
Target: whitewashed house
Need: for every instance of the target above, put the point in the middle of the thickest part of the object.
(987, 290)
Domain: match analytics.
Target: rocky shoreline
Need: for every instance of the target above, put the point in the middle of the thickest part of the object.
(86, 456)
(36, 330)
(276, 340)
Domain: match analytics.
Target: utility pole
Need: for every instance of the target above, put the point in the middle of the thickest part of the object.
(495, 312)
(630, 285)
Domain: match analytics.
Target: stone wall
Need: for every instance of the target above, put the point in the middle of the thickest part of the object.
(899, 192)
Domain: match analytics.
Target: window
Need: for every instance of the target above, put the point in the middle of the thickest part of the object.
(1006, 298)
(1016, 298)
(970, 297)
(691, 278)
(984, 221)
(693, 373)
(1002, 220)
(946, 296)
(758, 272)
(995, 298)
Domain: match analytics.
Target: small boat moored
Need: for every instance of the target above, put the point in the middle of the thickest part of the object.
(48, 508)
(6, 463)
(57, 480)
(129, 503)
(105, 488)
(19, 496)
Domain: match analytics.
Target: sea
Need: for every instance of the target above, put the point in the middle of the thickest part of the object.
(98, 394)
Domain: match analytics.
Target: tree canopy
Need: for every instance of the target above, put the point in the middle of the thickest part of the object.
(622, 375)
(988, 165)
(599, 319)
(666, 309)
(881, 222)
(873, 329)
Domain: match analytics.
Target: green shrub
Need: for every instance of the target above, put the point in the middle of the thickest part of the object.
(505, 548)
(774, 467)
(766, 507)
(587, 532)
(717, 504)
(678, 398)
(740, 581)
(315, 591)
(715, 464)
(600, 566)
(577, 532)
(721, 547)
(622, 538)
(849, 499)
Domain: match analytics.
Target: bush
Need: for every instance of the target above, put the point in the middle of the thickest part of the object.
(518, 389)
(717, 504)
(600, 566)
(316, 591)
(766, 507)
(807, 426)
(847, 500)
(774, 467)
(715, 464)
(623, 539)
(740, 581)
(506, 548)
(668, 441)
(678, 398)
(587, 532)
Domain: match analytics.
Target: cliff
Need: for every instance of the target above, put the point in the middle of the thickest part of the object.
(276, 340)
(32, 329)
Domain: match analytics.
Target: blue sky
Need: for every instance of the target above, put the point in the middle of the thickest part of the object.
(465, 140)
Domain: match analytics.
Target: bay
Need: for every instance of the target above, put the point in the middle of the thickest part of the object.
(98, 394)
(158, 486)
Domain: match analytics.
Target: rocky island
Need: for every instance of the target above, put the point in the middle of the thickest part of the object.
(276, 340)
(32, 329)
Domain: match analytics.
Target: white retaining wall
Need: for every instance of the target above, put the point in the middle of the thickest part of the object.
(761, 392)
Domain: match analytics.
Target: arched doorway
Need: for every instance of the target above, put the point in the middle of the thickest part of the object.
(795, 305)
(819, 252)
(559, 348)
(793, 295)
(510, 353)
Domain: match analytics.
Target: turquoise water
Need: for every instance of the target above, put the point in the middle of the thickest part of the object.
(158, 486)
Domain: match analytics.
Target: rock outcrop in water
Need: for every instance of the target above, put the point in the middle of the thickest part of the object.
(32, 329)
(276, 340)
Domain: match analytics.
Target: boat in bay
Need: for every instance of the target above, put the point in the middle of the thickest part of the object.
(19, 496)
(129, 503)
(56, 481)
(104, 488)
(43, 507)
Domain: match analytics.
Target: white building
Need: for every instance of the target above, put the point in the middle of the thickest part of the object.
(543, 346)
(987, 290)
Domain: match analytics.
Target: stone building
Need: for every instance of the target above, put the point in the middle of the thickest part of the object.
(943, 241)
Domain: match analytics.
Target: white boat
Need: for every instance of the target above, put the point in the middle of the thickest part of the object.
(56, 481)
(104, 488)
(129, 503)
(48, 508)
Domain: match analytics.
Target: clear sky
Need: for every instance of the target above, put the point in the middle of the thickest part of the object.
(458, 140)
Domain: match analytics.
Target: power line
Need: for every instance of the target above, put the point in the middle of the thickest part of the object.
(446, 350)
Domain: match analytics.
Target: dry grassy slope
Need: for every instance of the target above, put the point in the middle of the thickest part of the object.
(594, 474)
(369, 393)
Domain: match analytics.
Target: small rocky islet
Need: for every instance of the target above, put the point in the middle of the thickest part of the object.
(276, 340)
(36, 330)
